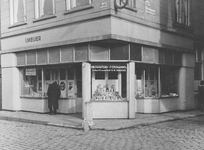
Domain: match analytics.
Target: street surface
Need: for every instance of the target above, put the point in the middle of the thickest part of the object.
(185, 134)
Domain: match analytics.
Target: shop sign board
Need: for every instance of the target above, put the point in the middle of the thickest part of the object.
(121, 68)
(31, 72)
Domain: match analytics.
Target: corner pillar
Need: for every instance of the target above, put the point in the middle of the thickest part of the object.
(131, 89)
(86, 95)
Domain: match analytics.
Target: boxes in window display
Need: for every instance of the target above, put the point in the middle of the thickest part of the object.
(106, 94)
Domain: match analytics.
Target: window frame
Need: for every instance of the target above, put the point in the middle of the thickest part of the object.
(36, 86)
(69, 3)
(183, 12)
(14, 12)
(145, 82)
(39, 10)
(132, 4)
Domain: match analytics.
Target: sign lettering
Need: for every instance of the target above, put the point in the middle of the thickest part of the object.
(109, 68)
(33, 39)
(31, 72)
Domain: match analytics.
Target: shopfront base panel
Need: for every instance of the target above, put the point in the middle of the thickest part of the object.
(156, 105)
(41, 105)
(110, 109)
(169, 104)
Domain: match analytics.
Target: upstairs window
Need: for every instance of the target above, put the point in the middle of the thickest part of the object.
(183, 12)
(132, 3)
(17, 11)
(44, 8)
(77, 3)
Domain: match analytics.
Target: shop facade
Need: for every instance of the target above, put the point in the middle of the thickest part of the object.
(108, 64)
(117, 79)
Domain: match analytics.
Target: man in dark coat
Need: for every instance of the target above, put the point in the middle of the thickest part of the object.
(53, 93)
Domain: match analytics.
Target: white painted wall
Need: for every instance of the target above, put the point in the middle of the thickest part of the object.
(10, 83)
(110, 109)
(41, 105)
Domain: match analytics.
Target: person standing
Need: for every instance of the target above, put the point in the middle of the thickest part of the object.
(53, 93)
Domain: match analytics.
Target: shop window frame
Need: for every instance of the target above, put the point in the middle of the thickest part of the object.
(108, 88)
(146, 81)
(41, 82)
(198, 71)
(145, 77)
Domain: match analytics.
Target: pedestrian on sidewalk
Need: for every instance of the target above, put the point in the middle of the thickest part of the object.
(201, 94)
(53, 93)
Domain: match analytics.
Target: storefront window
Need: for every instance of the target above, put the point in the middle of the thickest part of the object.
(34, 84)
(79, 80)
(29, 86)
(100, 75)
(147, 81)
(62, 74)
(169, 83)
(71, 83)
(109, 82)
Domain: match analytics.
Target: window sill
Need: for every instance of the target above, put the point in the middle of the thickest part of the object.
(45, 18)
(162, 97)
(95, 101)
(32, 97)
(183, 26)
(131, 9)
(76, 9)
(17, 25)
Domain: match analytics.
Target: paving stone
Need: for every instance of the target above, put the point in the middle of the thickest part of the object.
(187, 134)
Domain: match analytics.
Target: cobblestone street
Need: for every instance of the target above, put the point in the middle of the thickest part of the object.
(185, 134)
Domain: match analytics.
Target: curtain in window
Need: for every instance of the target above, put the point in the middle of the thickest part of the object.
(76, 3)
(183, 12)
(48, 7)
(18, 11)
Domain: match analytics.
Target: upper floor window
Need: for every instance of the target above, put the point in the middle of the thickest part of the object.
(132, 3)
(44, 8)
(77, 3)
(17, 11)
(183, 12)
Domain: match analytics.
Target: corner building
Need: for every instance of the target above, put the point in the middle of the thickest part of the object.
(117, 61)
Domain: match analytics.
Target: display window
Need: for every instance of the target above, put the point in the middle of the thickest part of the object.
(35, 81)
(155, 81)
(109, 82)
(169, 81)
(146, 81)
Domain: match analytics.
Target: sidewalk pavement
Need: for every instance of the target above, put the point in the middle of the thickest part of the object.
(75, 120)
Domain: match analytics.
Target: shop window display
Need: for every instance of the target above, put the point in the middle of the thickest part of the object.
(147, 81)
(35, 81)
(30, 83)
(169, 84)
(108, 84)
